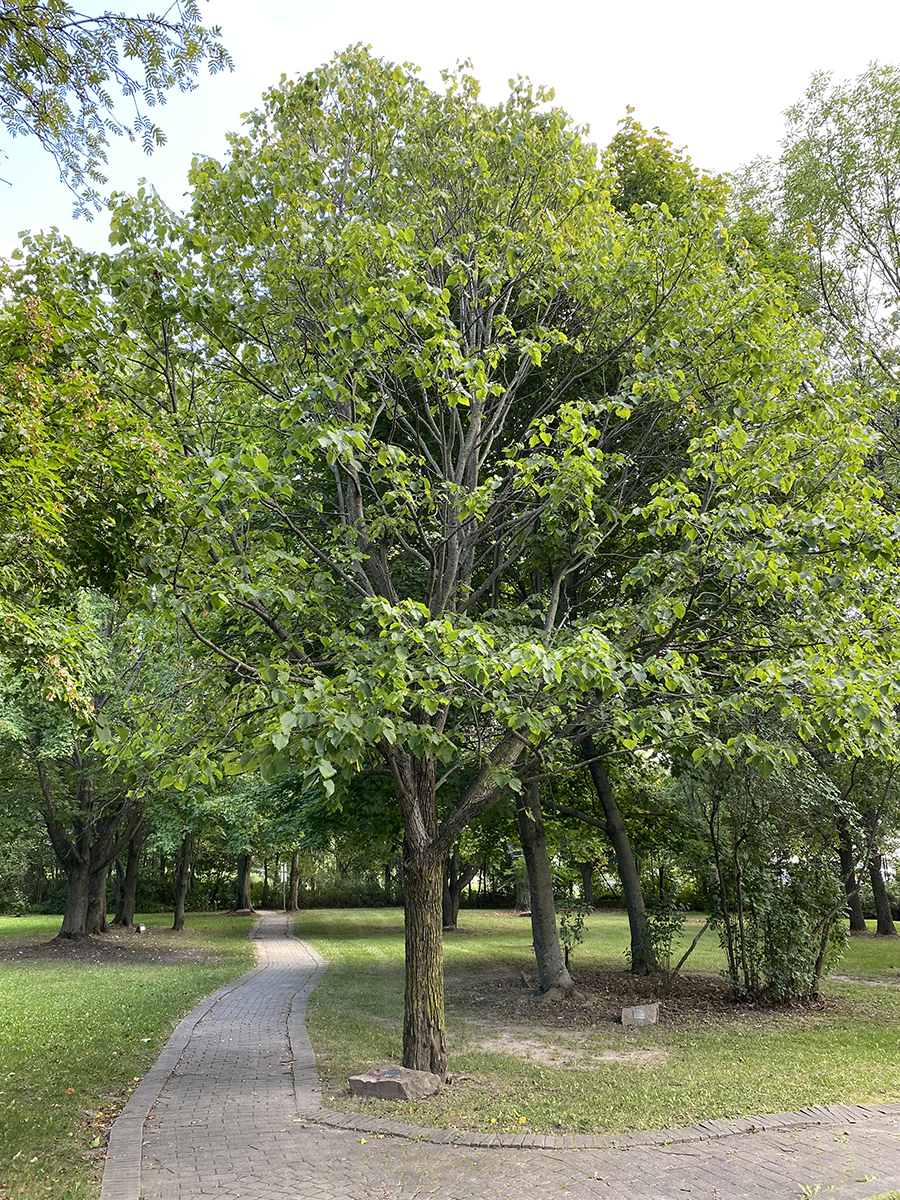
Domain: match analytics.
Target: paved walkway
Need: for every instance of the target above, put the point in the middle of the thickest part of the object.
(232, 1111)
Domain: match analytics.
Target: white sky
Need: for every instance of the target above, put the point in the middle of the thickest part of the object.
(717, 77)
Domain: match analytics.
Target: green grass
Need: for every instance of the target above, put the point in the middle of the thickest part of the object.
(76, 1036)
(569, 1068)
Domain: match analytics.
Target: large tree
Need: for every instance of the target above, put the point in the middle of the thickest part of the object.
(475, 466)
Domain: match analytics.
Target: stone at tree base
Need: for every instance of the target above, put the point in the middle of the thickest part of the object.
(640, 1015)
(395, 1083)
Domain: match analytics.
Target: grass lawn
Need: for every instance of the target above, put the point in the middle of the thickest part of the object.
(78, 1028)
(518, 1064)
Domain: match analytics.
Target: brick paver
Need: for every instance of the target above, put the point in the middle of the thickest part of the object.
(232, 1111)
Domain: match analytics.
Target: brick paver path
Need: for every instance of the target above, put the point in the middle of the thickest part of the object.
(219, 1117)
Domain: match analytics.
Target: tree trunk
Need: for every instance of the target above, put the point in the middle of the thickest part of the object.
(244, 903)
(265, 894)
(424, 1048)
(551, 964)
(182, 878)
(294, 884)
(848, 876)
(74, 923)
(587, 882)
(119, 895)
(643, 959)
(96, 910)
(454, 882)
(885, 922)
(125, 903)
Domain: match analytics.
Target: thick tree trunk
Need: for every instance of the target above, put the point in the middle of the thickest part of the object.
(587, 882)
(555, 979)
(182, 878)
(643, 960)
(294, 883)
(885, 922)
(243, 901)
(848, 876)
(96, 910)
(74, 923)
(424, 1048)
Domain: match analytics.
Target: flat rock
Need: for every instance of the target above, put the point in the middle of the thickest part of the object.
(395, 1083)
(640, 1015)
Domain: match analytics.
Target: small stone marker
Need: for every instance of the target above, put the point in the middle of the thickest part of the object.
(636, 1018)
(395, 1083)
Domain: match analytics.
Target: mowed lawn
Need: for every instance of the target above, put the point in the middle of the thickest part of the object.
(520, 1065)
(76, 1035)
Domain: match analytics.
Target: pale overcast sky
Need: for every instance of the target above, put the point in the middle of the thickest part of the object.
(716, 76)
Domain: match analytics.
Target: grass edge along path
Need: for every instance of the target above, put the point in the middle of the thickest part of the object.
(77, 1036)
(560, 1070)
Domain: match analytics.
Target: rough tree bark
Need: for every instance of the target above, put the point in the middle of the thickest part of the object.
(182, 878)
(294, 883)
(885, 926)
(96, 910)
(426, 844)
(555, 978)
(243, 902)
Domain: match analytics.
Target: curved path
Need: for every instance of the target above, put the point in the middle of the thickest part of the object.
(232, 1110)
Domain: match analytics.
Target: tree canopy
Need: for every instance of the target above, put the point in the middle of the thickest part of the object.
(57, 66)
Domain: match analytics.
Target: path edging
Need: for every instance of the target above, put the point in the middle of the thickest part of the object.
(704, 1131)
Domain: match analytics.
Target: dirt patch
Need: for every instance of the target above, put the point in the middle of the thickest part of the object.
(509, 995)
(161, 947)
(555, 1054)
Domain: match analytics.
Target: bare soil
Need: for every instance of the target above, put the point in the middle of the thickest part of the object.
(503, 994)
(159, 946)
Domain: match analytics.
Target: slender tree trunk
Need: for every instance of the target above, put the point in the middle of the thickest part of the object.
(119, 902)
(454, 882)
(132, 872)
(587, 882)
(555, 978)
(294, 884)
(244, 903)
(265, 894)
(885, 922)
(848, 876)
(182, 878)
(643, 959)
(96, 911)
